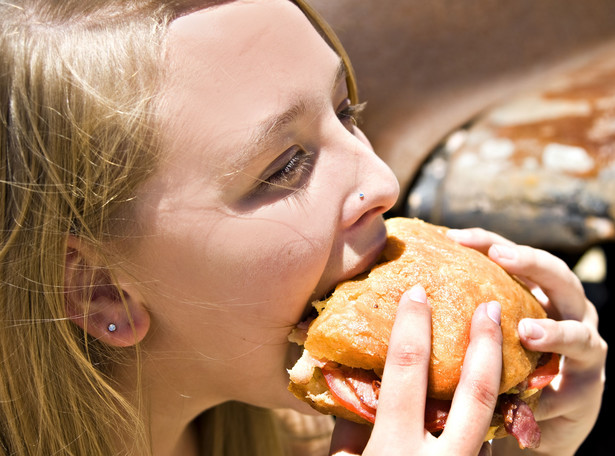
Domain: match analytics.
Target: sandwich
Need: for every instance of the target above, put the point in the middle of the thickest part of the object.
(345, 342)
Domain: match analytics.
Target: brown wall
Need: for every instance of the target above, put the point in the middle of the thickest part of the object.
(426, 67)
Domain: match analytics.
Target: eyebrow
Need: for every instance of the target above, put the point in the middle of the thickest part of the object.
(266, 131)
(273, 125)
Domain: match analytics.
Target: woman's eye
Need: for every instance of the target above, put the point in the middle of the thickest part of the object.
(289, 171)
(349, 114)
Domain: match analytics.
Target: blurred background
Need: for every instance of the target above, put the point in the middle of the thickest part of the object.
(500, 115)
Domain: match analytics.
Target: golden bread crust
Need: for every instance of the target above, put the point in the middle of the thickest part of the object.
(355, 323)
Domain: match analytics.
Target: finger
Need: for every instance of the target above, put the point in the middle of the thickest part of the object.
(563, 284)
(477, 392)
(578, 389)
(477, 238)
(551, 274)
(580, 343)
(349, 437)
(401, 404)
(577, 397)
(575, 393)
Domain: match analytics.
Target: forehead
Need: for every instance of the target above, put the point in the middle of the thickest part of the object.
(231, 66)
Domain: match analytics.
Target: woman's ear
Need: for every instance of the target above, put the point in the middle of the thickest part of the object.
(111, 312)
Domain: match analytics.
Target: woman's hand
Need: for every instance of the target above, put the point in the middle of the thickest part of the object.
(568, 408)
(399, 427)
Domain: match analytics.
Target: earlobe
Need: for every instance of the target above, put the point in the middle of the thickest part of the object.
(110, 310)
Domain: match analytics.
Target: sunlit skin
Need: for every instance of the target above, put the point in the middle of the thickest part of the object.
(255, 209)
(265, 196)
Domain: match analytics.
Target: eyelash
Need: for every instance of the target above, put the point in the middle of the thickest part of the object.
(300, 164)
(351, 112)
(292, 173)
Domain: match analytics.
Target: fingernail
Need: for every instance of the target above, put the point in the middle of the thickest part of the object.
(531, 330)
(417, 294)
(505, 252)
(494, 311)
(458, 235)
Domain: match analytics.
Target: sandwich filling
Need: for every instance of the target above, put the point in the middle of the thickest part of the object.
(357, 390)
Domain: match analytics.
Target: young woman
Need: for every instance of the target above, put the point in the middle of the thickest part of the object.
(179, 181)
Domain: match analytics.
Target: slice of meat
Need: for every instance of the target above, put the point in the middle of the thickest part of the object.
(519, 421)
(358, 391)
(436, 414)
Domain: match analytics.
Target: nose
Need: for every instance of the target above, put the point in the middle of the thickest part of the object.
(374, 189)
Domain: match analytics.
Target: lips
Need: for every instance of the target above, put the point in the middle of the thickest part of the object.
(360, 250)
(368, 260)
(368, 248)
(366, 217)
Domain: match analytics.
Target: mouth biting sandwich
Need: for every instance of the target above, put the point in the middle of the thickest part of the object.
(345, 345)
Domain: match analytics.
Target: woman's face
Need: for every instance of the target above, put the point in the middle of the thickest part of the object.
(256, 208)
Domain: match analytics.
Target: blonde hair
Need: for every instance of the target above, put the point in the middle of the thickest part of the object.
(78, 85)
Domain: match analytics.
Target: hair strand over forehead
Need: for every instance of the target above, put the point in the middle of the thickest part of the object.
(330, 36)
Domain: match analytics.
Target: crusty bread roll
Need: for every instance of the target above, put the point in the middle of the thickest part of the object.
(354, 324)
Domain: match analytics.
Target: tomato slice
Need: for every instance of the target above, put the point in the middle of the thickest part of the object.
(547, 370)
(355, 389)
(358, 389)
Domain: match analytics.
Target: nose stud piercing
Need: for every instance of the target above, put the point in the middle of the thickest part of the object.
(361, 195)
(111, 327)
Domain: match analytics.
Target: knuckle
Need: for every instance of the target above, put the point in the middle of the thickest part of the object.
(593, 342)
(575, 281)
(541, 259)
(409, 356)
(591, 314)
(483, 394)
(603, 348)
(585, 339)
(591, 349)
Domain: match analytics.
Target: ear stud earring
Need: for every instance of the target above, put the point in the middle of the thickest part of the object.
(111, 327)
(361, 195)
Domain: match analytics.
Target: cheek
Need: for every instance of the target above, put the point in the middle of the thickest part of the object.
(271, 260)
(268, 267)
